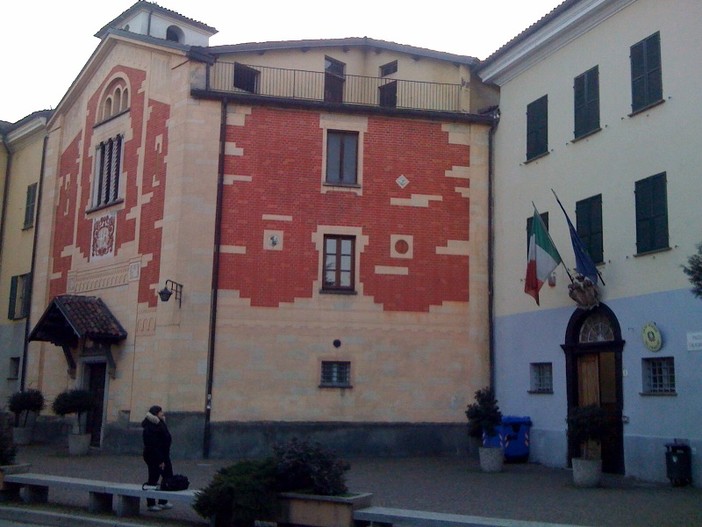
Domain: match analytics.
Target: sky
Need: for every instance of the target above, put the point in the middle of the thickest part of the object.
(45, 43)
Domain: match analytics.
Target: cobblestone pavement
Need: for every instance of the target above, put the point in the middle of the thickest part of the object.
(456, 485)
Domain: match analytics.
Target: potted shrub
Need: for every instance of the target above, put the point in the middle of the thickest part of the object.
(79, 402)
(484, 422)
(26, 406)
(586, 428)
(301, 484)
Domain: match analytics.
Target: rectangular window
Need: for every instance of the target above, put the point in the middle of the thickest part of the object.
(334, 78)
(646, 73)
(658, 375)
(30, 206)
(651, 214)
(537, 128)
(588, 217)
(108, 166)
(342, 157)
(529, 226)
(388, 69)
(245, 78)
(339, 263)
(336, 374)
(541, 377)
(586, 96)
(20, 294)
(14, 371)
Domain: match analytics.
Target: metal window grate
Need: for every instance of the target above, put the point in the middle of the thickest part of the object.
(659, 375)
(541, 377)
(336, 373)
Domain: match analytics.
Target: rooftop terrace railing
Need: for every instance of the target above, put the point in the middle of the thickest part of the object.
(282, 83)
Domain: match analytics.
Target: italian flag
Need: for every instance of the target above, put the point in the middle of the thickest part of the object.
(543, 257)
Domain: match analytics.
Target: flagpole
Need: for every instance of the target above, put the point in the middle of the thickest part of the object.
(551, 240)
(566, 215)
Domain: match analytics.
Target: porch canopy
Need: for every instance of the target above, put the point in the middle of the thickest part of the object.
(70, 319)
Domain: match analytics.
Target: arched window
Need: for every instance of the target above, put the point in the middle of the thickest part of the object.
(596, 328)
(174, 34)
(115, 99)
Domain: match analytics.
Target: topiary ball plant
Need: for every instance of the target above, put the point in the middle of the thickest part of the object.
(24, 402)
(74, 401)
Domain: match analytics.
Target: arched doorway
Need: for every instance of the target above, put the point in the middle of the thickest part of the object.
(593, 348)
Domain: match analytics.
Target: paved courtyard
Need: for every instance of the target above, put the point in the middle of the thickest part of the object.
(442, 484)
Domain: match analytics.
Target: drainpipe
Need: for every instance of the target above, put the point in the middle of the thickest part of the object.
(491, 246)
(207, 435)
(37, 208)
(8, 169)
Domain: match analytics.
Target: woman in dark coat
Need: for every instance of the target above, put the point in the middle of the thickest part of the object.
(157, 452)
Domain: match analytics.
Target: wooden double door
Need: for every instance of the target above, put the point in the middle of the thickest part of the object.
(594, 376)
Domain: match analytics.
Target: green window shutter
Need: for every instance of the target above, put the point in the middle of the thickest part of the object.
(537, 127)
(588, 214)
(651, 214)
(13, 298)
(30, 206)
(586, 96)
(646, 72)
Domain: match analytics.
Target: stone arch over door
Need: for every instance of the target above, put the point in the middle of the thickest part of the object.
(593, 351)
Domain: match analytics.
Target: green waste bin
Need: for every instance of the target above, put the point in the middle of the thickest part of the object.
(678, 464)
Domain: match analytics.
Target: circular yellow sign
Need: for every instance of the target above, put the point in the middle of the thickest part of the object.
(652, 336)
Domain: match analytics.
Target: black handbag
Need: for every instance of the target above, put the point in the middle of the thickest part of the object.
(175, 482)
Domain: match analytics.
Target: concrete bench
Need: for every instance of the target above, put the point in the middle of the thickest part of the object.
(385, 516)
(128, 495)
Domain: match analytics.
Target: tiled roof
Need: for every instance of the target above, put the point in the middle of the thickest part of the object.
(556, 11)
(341, 42)
(70, 317)
(143, 4)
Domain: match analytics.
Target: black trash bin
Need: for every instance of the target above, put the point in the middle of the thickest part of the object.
(678, 463)
(515, 437)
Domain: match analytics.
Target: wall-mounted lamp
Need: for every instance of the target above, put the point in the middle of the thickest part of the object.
(172, 287)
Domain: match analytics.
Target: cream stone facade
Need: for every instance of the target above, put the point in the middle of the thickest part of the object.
(21, 155)
(168, 168)
(653, 392)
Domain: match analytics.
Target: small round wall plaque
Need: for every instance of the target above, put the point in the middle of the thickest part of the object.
(652, 336)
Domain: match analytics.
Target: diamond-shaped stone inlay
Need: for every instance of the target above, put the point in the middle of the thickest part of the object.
(402, 181)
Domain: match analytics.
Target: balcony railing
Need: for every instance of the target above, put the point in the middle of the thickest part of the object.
(281, 83)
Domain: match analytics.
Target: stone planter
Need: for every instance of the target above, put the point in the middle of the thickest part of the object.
(22, 435)
(492, 459)
(312, 510)
(587, 472)
(78, 444)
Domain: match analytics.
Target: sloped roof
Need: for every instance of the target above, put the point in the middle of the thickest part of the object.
(6, 127)
(341, 42)
(71, 317)
(555, 12)
(145, 5)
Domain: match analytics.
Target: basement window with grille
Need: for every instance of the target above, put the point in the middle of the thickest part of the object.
(541, 377)
(658, 376)
(336, 374)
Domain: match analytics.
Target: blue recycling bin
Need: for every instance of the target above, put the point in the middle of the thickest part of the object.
(515, 437)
